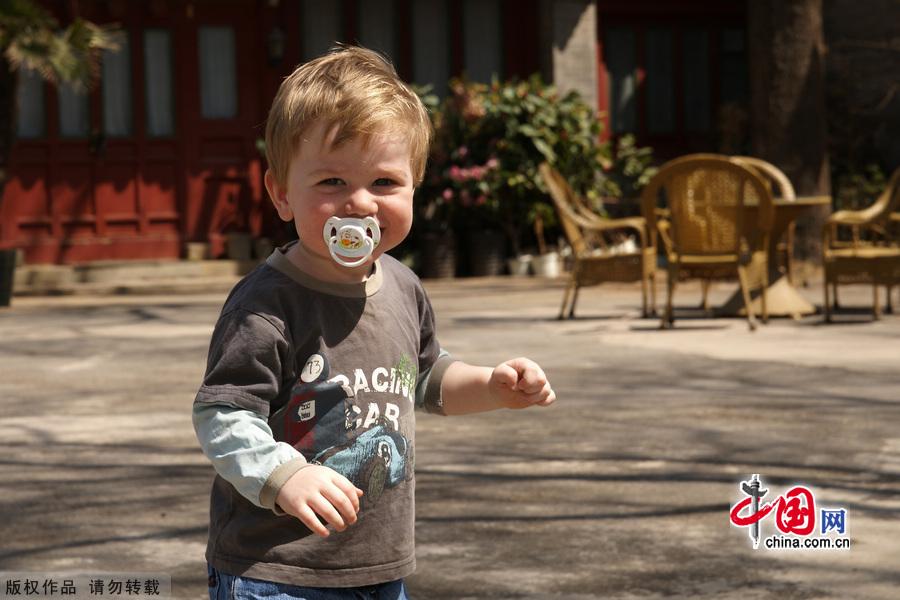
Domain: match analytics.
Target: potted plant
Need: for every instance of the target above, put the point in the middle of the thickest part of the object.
(541, 125)
(534, 124)
(625, 173)
(457, 196)
(490, 141)
(434, 235)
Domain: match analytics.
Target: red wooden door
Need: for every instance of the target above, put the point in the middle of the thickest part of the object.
(76, 195)
(159, 153)
(97, 180)
(223, 60)
(136, 169)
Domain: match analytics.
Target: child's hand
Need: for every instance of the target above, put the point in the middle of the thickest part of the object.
(520, 383)
(317, 490)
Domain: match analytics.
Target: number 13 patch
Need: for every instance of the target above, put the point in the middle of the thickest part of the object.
(315, 369)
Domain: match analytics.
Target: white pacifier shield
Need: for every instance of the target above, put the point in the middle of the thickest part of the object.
(352, 238)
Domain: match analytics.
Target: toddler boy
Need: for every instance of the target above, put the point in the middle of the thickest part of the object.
(321, 355)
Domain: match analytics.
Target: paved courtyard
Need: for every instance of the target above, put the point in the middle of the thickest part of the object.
(621, 490)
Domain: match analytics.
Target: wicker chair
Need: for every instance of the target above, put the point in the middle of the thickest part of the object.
(706, 236)
(780, 187)
(875, 260)
(594, 261)
(893, 226)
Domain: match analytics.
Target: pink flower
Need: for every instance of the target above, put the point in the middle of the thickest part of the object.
(456, 174)
(492, 163)
(462, 151)
(448, 194)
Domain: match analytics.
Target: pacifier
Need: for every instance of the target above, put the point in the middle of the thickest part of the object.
(351, 238)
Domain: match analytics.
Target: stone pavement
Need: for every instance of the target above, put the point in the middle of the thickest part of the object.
(620, 490)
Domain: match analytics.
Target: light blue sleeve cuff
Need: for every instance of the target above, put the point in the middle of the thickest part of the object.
(428, 387)
(240, 445)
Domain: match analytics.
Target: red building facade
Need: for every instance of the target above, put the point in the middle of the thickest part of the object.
(166, 150)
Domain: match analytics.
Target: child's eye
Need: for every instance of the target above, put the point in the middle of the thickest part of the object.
(332, 181)
(385, 181)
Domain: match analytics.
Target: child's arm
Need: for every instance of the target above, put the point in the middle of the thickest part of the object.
(273, 474)
(516, 383)
(247, 362)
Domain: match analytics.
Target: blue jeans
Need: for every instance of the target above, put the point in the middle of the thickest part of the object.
(233, 587)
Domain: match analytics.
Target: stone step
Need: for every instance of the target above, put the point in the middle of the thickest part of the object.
(123, 277)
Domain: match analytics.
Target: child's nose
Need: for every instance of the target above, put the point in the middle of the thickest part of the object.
(361, 204)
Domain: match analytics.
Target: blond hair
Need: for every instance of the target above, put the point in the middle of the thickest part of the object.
(355, 91)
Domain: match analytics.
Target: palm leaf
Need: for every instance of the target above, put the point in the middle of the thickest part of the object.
(30, 39)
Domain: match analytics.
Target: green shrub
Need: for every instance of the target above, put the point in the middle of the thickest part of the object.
(489, 142)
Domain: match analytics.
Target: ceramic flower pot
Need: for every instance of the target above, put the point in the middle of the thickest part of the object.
(439, 255)
(7, 274)
(195, 251)
(262, 248)
(486, 251)
(519, 266)
(546, 265)
(239, 246)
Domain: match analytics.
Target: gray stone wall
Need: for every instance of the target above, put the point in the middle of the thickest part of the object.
(569, 46)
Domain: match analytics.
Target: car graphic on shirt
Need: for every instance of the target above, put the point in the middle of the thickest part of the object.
(375, 460)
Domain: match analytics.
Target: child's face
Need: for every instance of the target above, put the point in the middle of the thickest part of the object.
(349, 181)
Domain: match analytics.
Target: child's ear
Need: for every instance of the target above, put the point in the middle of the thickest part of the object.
(278, 195)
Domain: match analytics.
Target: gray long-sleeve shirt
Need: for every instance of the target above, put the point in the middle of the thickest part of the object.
(301, 371)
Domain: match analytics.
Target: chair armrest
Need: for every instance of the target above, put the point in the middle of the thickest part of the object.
(639, 224)
(600, 225)
(635, 222)
(849, 217)
(830, 235)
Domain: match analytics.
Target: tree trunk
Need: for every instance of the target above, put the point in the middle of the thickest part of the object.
(787, 87)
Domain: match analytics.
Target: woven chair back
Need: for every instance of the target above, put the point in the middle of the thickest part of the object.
(564, 198)
(706, 196)
(773, 177)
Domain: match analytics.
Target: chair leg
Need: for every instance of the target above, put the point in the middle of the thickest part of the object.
(574, 301)
(565, 302)
(644, 313)
(789, 253)
(653, 293)
(704, 304)
(827, 306)
(888, 307)
(837, 305)
(876, 307)
(745, 292)
(763, 296)
(668, 318)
